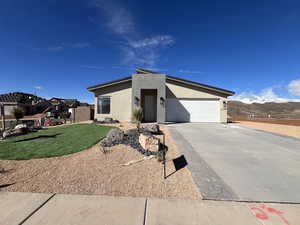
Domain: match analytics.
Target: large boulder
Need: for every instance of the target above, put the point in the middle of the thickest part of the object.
(152, 128)
(7, 133)
(115, 135)
(20, 126)
(149, 142)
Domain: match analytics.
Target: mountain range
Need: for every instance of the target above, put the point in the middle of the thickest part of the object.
(268, 109)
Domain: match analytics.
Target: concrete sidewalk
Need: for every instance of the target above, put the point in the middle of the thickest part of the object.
(59, 209)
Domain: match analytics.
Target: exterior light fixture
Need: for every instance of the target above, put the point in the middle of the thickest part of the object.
(224, 105)
(162, 101)
(136, 101)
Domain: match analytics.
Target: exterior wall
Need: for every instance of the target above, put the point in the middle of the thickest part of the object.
(120, 102)
(150, 81)
(8, 109)
(179, 90)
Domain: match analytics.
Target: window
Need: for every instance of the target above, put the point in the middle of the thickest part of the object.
(103, 105)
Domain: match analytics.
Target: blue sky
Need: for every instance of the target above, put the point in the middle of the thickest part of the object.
(59, 47)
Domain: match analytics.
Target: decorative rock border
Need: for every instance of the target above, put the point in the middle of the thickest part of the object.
(131, 138)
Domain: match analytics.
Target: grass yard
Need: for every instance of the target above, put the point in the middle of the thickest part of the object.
(52, 142)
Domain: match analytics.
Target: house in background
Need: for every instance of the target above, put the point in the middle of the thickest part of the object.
(163, 98)
(63, 104)
(31, 104)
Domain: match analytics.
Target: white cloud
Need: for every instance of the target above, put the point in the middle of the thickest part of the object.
(38, 87)
(81, 45)
(266, 95)
(64, 46)
(159, 40)
(190, 71)
(294, 87)
(119, 20)
(55, 48)
(136, 51)
(91, 67)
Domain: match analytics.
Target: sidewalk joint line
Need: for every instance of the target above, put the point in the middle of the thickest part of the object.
(34, 211)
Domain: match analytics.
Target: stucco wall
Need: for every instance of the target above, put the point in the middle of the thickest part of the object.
(179, 90)
(8, 109)
(120, 102)
(150, 81)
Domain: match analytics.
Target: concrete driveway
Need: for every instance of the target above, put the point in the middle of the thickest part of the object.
(234, 163)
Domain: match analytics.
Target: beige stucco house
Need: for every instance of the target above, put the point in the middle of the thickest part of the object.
(163, 98)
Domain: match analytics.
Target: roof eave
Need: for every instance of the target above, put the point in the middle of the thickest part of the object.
(107, 84)
(192, 83)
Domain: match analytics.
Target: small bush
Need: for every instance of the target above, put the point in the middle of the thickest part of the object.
(64, 116)
(137, 116)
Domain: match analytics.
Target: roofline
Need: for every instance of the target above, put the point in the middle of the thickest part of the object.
(145, 71)
(227, 92)
(196, 84)
(110, 83)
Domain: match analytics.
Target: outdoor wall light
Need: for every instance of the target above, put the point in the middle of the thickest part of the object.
(224, 105)
(136, 101)
(162, 101)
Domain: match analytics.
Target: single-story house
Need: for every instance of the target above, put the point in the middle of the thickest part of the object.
(31, 104)
(163, 98)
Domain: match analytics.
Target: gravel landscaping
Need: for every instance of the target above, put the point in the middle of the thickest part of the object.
(93, 172)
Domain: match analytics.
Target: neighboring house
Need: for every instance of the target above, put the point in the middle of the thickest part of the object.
(63, 104)
(31, 104)
(163, 98)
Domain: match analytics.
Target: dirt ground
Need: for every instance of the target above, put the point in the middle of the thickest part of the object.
(93, 172)
(293, 131)
(291, 122)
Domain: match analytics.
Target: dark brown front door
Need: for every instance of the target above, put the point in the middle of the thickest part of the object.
(149, 105)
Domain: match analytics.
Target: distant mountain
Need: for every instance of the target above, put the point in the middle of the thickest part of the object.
(275, 110)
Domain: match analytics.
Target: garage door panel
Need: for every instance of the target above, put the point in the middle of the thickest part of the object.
(180, 110)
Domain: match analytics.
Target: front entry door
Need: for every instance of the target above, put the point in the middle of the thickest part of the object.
(149, 105)
(150, 108)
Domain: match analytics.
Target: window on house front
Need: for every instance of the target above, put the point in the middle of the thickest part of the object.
(103, 105)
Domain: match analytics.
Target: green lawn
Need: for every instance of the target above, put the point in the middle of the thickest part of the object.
(52, 142)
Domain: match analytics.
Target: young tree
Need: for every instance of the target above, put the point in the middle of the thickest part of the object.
(137, 116)
(64, 116)
(18, 113)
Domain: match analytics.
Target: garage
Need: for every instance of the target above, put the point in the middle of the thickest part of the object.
(193, 110)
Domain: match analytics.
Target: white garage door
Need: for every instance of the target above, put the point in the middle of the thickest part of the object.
(196, 110)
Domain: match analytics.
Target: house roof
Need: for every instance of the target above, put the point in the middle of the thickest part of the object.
(119, 81)
(169, 78)
(18, 97)
(67, 101)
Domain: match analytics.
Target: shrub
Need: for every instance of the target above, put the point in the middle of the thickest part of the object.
(137, 116)
(18, 113)
(64, 115)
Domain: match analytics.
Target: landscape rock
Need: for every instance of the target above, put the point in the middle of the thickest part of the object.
(130, 138)
(108, 120)
(20, 126)
(149, 142)
(153, 128)
(7, 133)
(115, 135)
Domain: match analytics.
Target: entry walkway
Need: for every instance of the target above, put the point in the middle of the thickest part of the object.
(35, 209)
